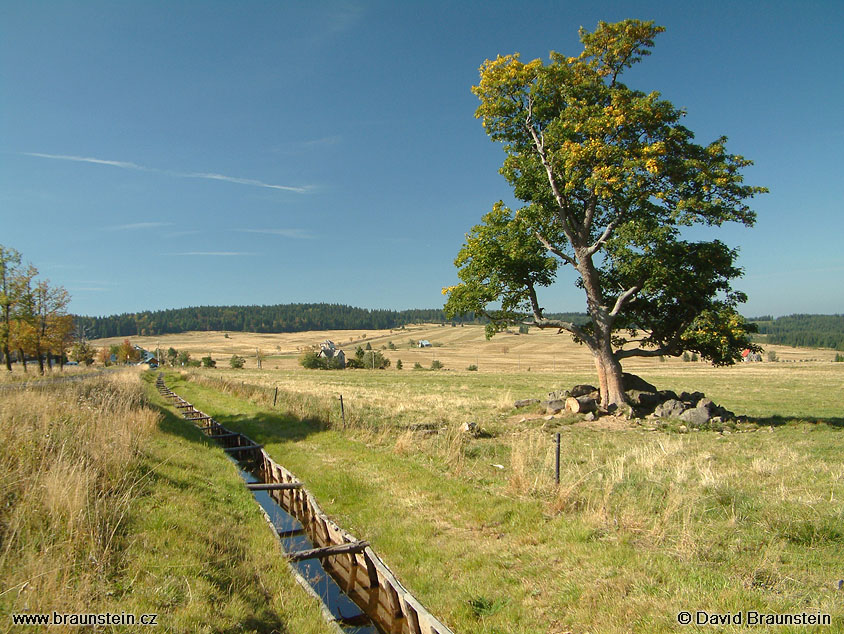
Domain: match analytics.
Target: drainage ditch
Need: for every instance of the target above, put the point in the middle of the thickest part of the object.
(358, 592)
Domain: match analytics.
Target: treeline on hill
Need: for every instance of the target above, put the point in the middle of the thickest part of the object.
(812, 331)
(276, 318)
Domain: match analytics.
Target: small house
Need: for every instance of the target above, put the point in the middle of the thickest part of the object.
(328, 350)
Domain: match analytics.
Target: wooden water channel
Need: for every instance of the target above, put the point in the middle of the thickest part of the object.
(352, 564)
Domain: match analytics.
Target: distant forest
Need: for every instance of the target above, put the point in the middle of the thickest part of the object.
(812, 331)
(276, 318)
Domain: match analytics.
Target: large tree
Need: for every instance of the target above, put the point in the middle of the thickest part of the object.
(609, 177)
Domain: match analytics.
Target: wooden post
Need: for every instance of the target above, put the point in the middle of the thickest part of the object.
(343, 411)
(275, 397)
(557, 461)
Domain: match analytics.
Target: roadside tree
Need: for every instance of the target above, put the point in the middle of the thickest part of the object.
(610, 178)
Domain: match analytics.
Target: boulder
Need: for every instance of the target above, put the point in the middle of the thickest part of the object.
(639, 398)
(692, 397)
(582, 390)
(671, 408)
(471, 428)
(696, 416)
(559, 395)
(634, 382)
(527, 402)
(665, 395)
(554, 407)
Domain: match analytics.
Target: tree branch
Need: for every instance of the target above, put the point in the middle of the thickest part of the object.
(559, 323)
(671, 349)
(605, 235)
(564, 257)
(622, 299)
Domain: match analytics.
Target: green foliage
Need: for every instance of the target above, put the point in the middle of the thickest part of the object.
(472, 368)
(208, 362)
(772, 356)
(399, 364)
(236, 362)
(436, 364)
(374, 360)
(391, 345)
(418, 366)
(83, 352)
(278, 318)
(172, 355)
(609, 177)
(839, 358)
(183, 358)
(813, 331)
(368, 346)
(686, 357)
(310, 360)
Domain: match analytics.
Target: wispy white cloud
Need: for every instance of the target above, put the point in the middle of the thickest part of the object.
(215, 253)
(139, 225)
(85, 159)
(296, 234)
(203, 175)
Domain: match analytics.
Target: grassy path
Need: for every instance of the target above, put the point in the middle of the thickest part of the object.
(645, 525)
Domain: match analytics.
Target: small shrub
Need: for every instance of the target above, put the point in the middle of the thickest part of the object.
(208, 362)
(839, 358)
(686, 357)
(695, 357)
(418, 366)
(436, 364)
(398, 364)
(772, 356)
(237, 362)
(368, 346)
(523, 329)
(472, 368)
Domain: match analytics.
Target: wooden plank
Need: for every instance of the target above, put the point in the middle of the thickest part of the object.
(273, 486)
(244, 448)
(328, 551)
(226, 435)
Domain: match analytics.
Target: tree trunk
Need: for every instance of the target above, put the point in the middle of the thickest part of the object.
(22, 358)
(7, 357)
(40, 360)
(612, 383)
(581, 404)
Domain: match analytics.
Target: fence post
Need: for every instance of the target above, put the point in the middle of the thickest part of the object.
(557, 460)
(275, 396)
(343, 411)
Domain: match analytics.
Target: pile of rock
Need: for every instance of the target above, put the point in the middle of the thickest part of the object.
(646, 401)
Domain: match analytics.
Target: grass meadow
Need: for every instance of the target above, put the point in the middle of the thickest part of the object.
(646, 521)
(112, 504)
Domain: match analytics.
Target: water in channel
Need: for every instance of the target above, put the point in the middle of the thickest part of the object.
(349, 616)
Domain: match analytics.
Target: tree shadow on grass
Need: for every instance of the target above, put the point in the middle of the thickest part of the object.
(835, 422)
(263, 427)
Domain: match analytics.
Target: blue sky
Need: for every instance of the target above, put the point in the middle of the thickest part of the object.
(167, 154)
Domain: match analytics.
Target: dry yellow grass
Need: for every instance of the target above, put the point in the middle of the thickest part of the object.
(456, 347)
(66, 459)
